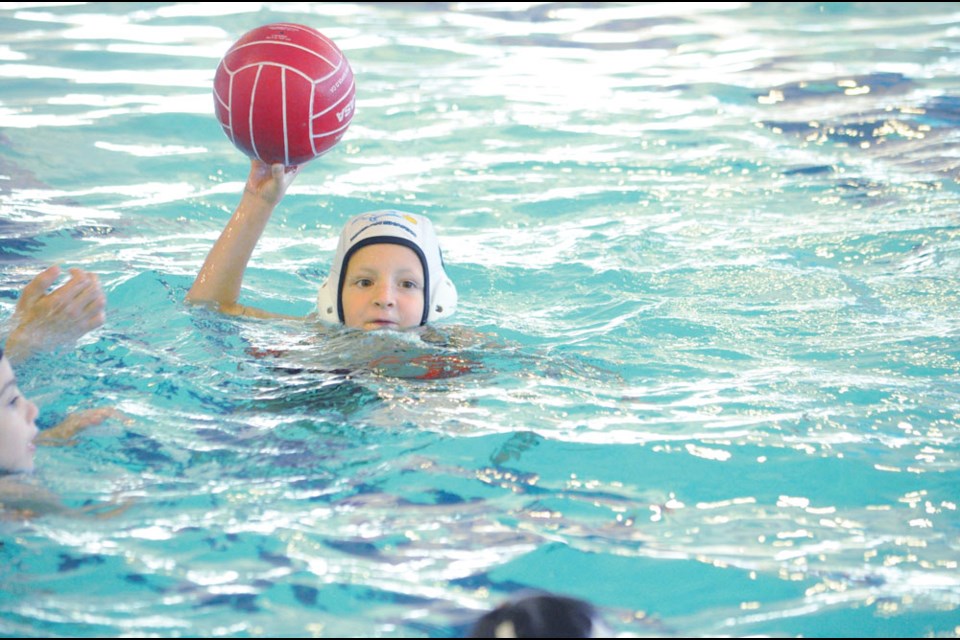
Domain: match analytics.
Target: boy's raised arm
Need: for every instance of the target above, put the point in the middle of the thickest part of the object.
(221, 276)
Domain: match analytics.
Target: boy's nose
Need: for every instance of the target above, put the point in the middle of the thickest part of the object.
(32, 411)
(384, 297)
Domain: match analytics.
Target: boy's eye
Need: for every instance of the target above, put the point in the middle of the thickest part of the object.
(363, 282)
(409, 284)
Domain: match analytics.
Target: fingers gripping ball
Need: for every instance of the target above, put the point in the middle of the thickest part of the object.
(284, 93)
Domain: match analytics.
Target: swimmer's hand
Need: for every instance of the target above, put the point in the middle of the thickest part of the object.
(47, 321)
(62, 434)
(270, 182)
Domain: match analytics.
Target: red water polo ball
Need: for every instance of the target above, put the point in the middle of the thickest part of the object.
(284, 93)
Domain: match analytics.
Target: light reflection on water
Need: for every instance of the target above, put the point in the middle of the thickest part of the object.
(715, 242)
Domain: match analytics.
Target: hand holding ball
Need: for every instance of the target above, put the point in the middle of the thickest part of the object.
(284, 93)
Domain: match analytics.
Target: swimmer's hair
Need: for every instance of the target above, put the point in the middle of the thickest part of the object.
(541, 615)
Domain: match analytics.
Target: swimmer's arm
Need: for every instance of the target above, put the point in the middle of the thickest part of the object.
(20, 501)
(221, 276)
(254, 312)
(62, 433)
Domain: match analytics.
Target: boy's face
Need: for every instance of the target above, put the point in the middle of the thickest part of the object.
(383, 288)
(17, 429)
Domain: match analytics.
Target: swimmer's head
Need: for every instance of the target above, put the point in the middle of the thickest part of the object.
(541, 615)
(410, 230)
(17, 427)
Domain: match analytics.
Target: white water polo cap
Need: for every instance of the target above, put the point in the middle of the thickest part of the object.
(393, 227)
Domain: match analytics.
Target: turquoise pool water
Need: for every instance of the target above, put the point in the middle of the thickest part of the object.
(717, 243)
